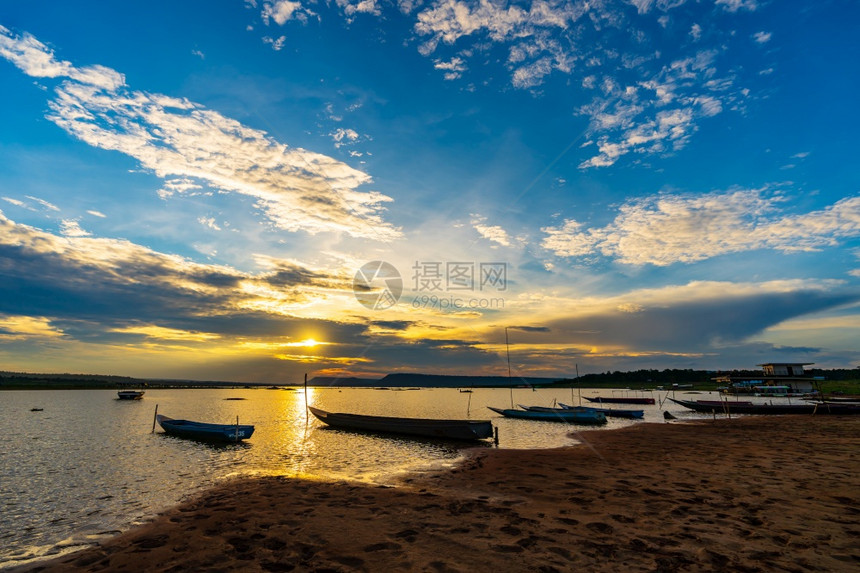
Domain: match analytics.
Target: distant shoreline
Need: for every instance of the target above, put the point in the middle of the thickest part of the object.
(838, 380)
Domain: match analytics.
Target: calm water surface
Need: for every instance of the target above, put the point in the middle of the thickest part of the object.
(88, 465)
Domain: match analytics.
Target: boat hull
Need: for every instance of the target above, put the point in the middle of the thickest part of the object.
(205, 432)
(421, 427)
(554, 415)
(821, 408)
(130, 394)
(614, 400)
(613, 412)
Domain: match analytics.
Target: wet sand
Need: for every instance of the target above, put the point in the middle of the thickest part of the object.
(775, 493)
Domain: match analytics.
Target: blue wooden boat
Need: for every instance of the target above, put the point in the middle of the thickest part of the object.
(554, 415)
(203, 431)
(424, 427)
(612, 412)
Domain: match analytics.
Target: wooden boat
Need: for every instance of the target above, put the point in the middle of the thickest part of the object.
(608, 412)
(613, 412)
(423, 427)
(130, 394)
(615, 400)
(554, 415)
(818, 408)
(203, 431)
(719, 403)
(841, 399)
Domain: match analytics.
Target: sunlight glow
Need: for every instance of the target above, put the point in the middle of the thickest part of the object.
(308, 342)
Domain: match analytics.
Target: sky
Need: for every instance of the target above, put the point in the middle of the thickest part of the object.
(257, 190)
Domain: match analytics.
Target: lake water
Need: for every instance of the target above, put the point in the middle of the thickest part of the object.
(89, 466)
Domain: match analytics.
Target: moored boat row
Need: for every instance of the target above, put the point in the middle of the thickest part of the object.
(732, 407)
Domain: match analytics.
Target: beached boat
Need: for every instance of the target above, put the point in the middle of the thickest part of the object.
(608, 412)
(612, 412)
(130, 394)
(203, 431)
(817, 408)
(554, 415)
(616, 400)
(719, 403)
(423, 427)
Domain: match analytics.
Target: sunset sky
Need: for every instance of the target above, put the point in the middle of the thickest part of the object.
(199, 189)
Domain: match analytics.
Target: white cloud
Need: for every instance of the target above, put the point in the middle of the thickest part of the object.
(666, 229)
(453, 68)
(762, 37)
(447, 21)
(276, 43)
(735, 5)
(209, 222)
(46, 204)
(696, 32)
(97, 214)
(285, 10)
(182, 141)
(71, 228)
(492, 233)
(659, 114)
(642, 6)
(36, 60)
(15, 202)
(545, 37)
(532, 74)
(352, 7)
(343, 136)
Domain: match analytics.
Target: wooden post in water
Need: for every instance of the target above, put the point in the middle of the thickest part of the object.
(508, 350)
(496, 435)
(307, 418)
(154, 418)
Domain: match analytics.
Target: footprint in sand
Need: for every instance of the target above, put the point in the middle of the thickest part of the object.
(623, 518)
(508, 548)
(600, 527)
(274, 545)
(152, 542)
(384, 546)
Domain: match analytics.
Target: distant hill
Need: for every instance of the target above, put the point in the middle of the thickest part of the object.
(415, 380)
(349, 381)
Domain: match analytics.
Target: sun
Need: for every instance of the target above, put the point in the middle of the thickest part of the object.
(306, 343)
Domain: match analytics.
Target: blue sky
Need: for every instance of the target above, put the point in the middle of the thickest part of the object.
(191, 189)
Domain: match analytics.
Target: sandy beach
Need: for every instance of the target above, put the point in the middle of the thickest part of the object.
(777, 493)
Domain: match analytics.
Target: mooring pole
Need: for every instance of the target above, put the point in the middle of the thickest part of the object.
(154, 418)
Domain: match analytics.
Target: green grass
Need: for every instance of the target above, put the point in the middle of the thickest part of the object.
(850, 387)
